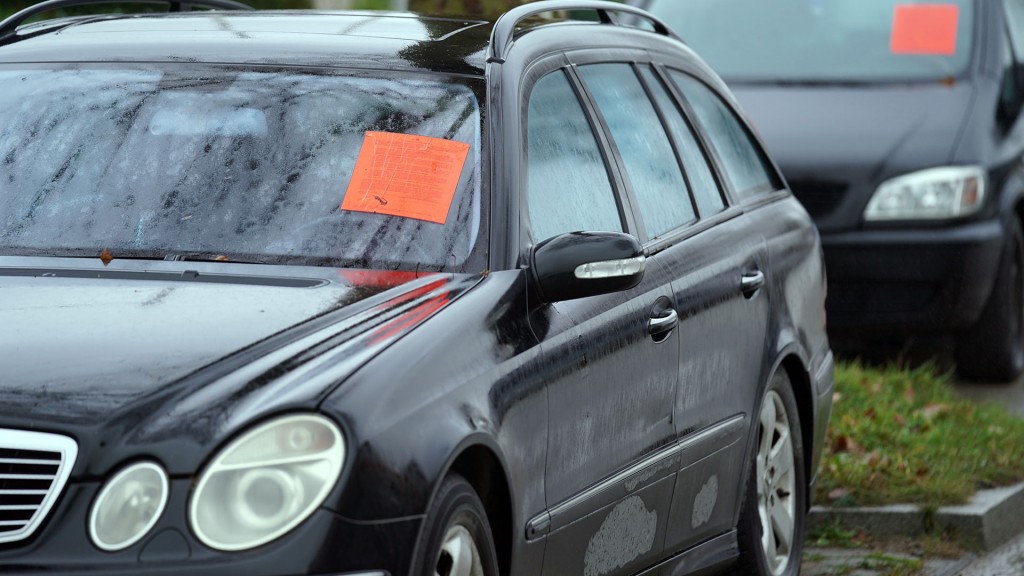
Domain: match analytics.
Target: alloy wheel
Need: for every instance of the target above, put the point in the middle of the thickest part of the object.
(776, 484)
(459, 554)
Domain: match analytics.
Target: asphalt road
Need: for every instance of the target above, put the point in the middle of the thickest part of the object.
(1009, 395)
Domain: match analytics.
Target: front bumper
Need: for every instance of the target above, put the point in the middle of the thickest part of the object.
(902, 282)
(325, 544)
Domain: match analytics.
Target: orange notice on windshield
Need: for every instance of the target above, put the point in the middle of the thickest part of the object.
(927, 29)
(405, 175)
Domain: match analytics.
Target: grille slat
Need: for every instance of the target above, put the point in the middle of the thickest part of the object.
(29, 461)
(48, 477)
(34, 468)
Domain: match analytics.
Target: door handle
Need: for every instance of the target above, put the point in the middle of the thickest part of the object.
(752, 282)
(662, 324)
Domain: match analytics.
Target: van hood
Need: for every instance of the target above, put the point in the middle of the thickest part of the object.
(855, 137)
(182, 353)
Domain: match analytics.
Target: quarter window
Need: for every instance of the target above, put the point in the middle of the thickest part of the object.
(705, 188)
(569, 188)
(745, 164)
(1015, 25)
(643, 146)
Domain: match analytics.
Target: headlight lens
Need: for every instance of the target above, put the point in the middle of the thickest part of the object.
(128, 506)
(929, 194)
(266, 482)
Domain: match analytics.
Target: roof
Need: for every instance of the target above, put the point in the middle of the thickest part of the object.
(382, 40)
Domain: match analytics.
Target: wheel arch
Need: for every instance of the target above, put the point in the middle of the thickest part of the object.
(484, 471)
(800, 380)
(477, 459)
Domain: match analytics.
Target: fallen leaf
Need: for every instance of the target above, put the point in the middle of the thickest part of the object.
(870, 414)
(899, 419)
(838, 493)
(836, 397)
(873, 458)
(908, 394)
(932, 410)
(220, 258)
(846, 444)
(923, 471)
(106, 257)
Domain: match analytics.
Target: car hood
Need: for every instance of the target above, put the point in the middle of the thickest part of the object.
(854, 137)
(131, 357)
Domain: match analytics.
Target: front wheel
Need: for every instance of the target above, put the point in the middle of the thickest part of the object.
(771, 528)
(457, 540)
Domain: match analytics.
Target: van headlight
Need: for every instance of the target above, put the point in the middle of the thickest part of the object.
(936, 193)
(128, 506)
(263, 484)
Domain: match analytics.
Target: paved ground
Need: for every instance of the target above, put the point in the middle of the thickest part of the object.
(1009, 395)
(837, 562)
(1006, 561)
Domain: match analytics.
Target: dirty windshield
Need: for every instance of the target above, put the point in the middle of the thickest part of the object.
(244, 165)
(825, 40)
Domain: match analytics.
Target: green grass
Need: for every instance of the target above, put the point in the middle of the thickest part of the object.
(904, 436)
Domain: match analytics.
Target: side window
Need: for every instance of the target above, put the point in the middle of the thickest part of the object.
(569, 189)
(1011, 96)
(1015, 25)
(745, 164)
(705, 188)
(645, 149)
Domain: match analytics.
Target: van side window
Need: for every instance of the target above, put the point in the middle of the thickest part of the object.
(643, 145)
(705, 188)
(568, 185)
(745, 164)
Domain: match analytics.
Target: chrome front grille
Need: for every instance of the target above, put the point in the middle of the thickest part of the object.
(34, 466)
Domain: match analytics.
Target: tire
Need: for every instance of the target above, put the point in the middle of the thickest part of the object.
(457, 540)
(993, 349)
(776, 488)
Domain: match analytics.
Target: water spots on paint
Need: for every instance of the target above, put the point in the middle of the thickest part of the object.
(626, 534)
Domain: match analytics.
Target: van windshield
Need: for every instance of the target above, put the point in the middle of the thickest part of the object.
(825, 40)
(315, 167)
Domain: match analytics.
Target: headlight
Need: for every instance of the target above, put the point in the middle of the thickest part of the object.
(930, 194)
(128, 506)
(266, 482)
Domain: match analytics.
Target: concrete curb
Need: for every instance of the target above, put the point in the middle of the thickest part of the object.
(991, 518)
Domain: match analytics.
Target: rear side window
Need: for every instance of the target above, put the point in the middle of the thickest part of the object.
(569, 188)
(643, 145)
(745, 164)
(705, 188)
(1015, 25)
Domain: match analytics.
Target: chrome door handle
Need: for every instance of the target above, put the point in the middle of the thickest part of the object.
(661, 325)
(752, 282)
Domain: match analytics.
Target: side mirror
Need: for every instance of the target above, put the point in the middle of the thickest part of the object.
(581, 264)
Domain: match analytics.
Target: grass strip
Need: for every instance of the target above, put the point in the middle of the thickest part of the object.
(903, 436)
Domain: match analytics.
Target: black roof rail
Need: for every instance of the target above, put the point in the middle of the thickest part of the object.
(505, 27)
(11, 24)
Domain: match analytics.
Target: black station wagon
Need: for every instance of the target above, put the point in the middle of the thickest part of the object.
(381, 294)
